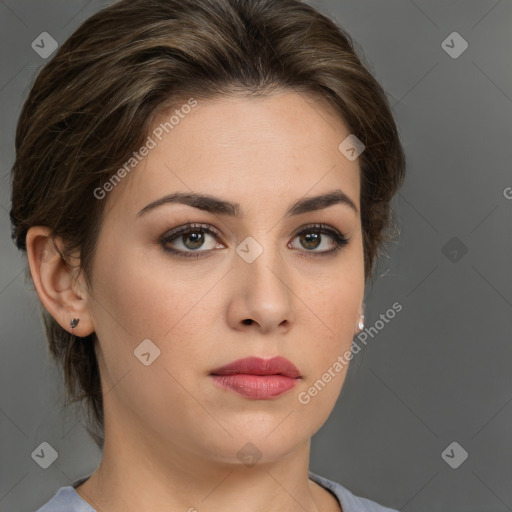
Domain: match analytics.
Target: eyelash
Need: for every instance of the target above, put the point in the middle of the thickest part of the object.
(339, 239)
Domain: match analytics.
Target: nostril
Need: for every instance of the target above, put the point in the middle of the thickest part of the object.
(247, 321)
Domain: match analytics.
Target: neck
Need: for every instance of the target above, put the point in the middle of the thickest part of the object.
(139, 472)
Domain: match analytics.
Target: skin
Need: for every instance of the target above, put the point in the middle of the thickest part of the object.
(171, 435)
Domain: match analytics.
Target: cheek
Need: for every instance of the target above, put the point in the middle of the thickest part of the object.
(332, 316)
(136, 301)
(336, 304)
(140, 299)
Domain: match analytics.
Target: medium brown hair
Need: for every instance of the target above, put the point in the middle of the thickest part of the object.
(94, 102)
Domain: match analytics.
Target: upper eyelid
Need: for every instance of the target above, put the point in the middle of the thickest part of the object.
(337, 235)
(191, 226)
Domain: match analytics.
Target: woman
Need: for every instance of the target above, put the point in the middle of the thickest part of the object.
(202, 188)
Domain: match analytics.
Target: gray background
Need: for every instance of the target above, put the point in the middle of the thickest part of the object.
(440, 370)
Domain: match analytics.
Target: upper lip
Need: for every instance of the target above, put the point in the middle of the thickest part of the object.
(258, 366)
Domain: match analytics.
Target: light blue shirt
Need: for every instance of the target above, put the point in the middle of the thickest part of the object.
(67, 499)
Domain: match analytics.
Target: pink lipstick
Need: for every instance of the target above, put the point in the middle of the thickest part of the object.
(257, 378)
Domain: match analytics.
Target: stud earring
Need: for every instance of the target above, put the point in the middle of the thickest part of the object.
(360, 325)
(73, 323)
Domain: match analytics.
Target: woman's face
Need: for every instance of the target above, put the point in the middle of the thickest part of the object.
(264, 282)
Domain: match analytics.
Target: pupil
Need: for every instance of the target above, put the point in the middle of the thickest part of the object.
(197, 240)
(314, 237)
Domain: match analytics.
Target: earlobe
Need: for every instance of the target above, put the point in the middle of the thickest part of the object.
(61, 294)
(360, 324)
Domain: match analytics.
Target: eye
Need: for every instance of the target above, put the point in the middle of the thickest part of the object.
(313, 237)
(189, 239)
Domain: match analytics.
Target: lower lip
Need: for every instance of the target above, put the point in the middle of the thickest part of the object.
(260, 387)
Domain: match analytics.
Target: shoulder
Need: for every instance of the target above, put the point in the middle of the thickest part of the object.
(66, 500)
(349, 502)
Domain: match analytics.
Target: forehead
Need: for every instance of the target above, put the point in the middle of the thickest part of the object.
(246, 149)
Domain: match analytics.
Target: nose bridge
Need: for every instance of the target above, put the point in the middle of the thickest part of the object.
(265, 279)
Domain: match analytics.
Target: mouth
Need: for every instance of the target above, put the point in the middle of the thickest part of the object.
(257, 378)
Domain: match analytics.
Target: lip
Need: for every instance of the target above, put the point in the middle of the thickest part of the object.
(257, 378)
(258, 366)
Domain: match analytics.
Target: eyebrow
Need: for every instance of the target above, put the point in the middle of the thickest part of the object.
(221, 207)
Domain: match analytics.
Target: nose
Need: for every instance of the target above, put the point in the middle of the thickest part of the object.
(262, 294)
